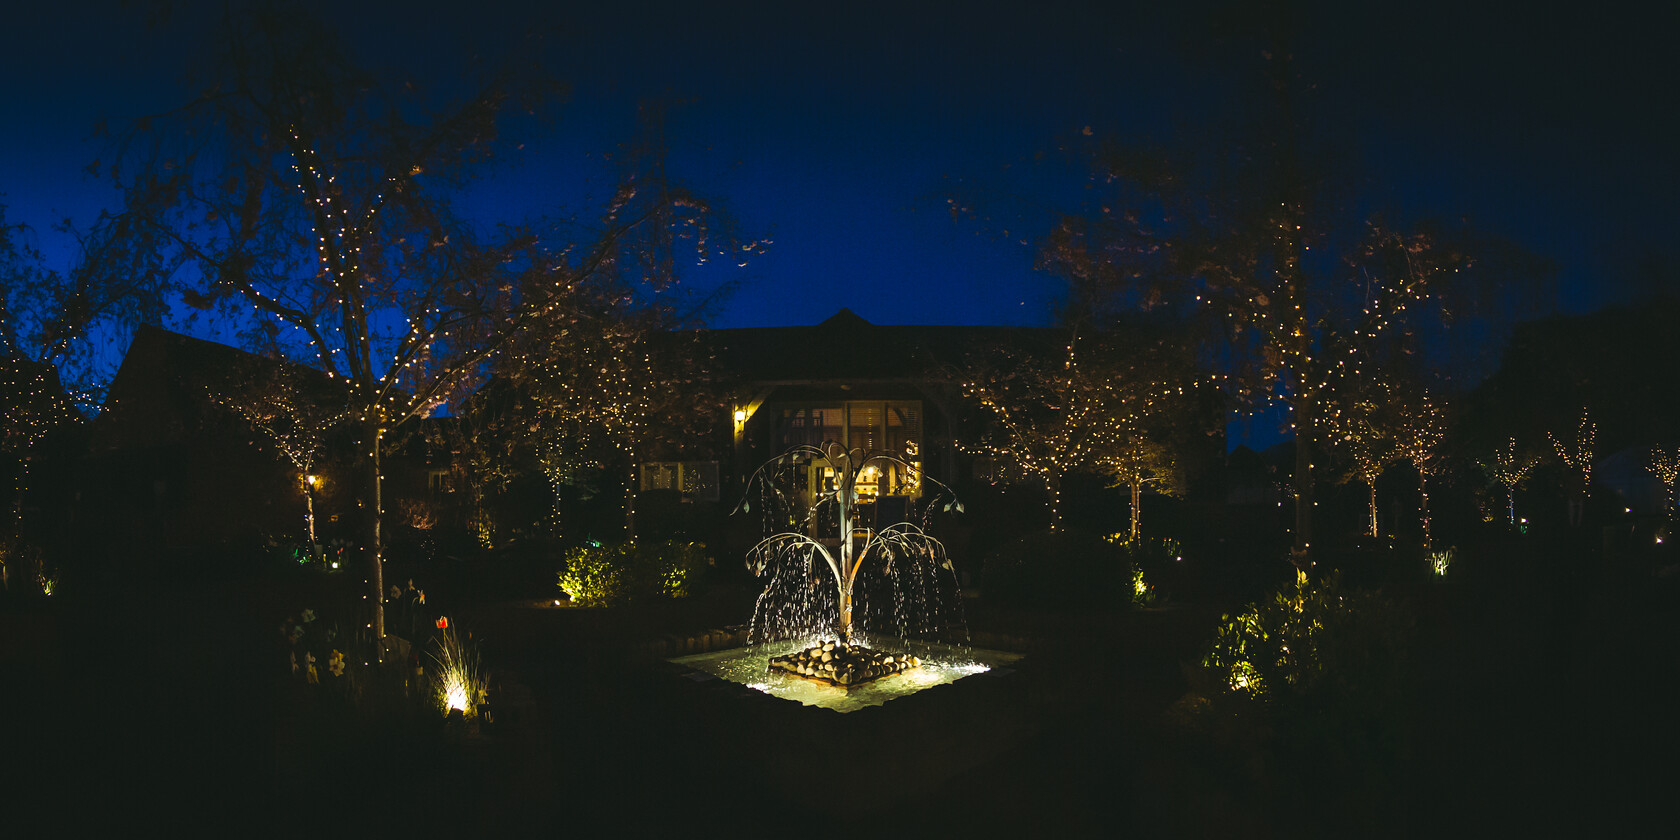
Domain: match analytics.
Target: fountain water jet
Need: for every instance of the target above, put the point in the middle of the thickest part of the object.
(795, 603)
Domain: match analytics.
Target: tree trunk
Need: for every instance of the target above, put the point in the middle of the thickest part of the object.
(309, 513)
(1511, 504)
(1301, 554)
(1137, 494)
(1423, 509)
(13, 546)
(630, 505)
(1372, 486)
(372, 547)
(1053, 485)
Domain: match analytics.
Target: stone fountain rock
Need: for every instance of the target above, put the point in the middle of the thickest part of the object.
(842, 665)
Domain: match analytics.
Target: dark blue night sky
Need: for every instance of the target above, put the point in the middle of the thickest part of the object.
(838, 133)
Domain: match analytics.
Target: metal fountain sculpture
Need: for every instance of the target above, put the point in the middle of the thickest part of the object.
(912, 562)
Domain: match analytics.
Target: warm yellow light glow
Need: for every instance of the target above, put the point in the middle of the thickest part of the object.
(740, 415)
(455, 675)
(455, 696)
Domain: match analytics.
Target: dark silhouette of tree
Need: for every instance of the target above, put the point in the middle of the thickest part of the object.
(50, 322)
(1250, 239)
(318, 203)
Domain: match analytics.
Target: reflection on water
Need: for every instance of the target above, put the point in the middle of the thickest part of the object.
(940, 664)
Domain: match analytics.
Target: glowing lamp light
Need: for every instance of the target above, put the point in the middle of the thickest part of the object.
(740, 415)
(455, 698)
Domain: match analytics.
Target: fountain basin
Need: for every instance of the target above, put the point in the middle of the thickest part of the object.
(938, 665)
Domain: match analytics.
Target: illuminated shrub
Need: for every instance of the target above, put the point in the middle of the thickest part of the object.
(1155, 555)
(602, 576)
(456, 679)
(1440, 562)
(1313, 641)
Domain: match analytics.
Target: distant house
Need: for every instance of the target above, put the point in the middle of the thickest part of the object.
(879, 388)
(871, 387)
(170, 472)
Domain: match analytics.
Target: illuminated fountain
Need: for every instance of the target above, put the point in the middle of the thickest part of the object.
(834, 573)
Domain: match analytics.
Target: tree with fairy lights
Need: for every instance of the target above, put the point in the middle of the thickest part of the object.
(1386, 416)
(1510, 469)
(622, 372)
(1577, 458)
(1237, 261)
(1047, 418)
(1115, 402)
(1421, 429)
(317, 204)
(1137, 459)
(51, 323)
(295, 413)
(1161, 405)
(1665, 465)
(1359, 426)
(607, 396)
(62, 318)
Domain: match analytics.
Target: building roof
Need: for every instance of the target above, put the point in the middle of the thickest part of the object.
(845, 347)
(161, 393)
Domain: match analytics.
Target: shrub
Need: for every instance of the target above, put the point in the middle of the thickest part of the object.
(602, 576)
(1320, 672)
(457, 682)
(1151, 561)
(1440, 562)
(1313, 640)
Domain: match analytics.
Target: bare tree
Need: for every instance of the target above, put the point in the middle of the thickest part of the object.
(1510, 468)
(1105, 404)
(296, 419)
(624, 371)
(1047, 418)
(50, 364)
(318, 203)
(1361, 425)
(1577, 457)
